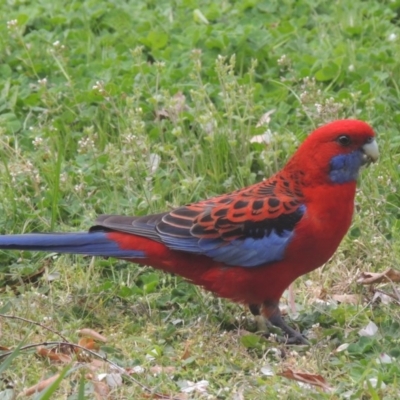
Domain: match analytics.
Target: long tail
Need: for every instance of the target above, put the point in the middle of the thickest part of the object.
(92, 244)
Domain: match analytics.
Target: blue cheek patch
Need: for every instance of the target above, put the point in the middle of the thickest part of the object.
(345, 167)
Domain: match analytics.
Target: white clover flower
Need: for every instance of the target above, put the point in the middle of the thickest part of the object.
(12, 24)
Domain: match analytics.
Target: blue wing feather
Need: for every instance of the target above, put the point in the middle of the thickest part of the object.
(247, 252)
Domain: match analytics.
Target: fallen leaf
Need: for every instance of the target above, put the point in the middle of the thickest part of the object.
(346, 298)
(90, 333)
(370, 330)
(52, 276)
(189, 386)
(342, 347)
(96, 364)
(39, 386)
(53, 355)
(311, 379)
(101, 389)
(382, 297)
(267, 370)
(369, 278)
(114, 380)
(186, 352)
(88, 343)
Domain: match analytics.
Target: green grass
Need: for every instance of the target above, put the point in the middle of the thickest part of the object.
(93, 91)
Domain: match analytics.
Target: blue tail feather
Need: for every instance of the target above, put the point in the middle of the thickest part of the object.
(91, 244)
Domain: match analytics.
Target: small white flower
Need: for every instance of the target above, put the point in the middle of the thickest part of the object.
(282, 60)
(79, 188)
(99, 86)
(12, 24)
(392, 37)
(351, 68)
(37, 142)
(318, 108)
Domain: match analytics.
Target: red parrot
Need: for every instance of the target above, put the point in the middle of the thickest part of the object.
(248, 245)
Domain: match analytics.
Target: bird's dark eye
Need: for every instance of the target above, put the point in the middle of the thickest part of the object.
(344, 140)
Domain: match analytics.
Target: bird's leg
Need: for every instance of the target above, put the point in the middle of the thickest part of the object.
(271, 311)
(255, 309)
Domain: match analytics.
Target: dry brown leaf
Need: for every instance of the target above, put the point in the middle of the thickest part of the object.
(369, 278)
(311, 379)
(158, 369)
(96, 364)
(90, 333)
(186, 352)
(322, 293)
(88, 343)
(53, 356)
(4, 348)
(101, 389)
(347, 298)
(39, 386)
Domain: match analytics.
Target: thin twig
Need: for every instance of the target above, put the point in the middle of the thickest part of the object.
(93, 353)
(35, 323)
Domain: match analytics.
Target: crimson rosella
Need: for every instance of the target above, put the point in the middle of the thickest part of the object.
(248, 245)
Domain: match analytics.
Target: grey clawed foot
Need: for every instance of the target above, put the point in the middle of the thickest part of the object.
(293, 336)
(271, 312)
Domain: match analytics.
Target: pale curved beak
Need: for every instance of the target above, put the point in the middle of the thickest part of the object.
(371, 152)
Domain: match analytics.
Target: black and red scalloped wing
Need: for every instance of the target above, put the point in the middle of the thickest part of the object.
(247, 228)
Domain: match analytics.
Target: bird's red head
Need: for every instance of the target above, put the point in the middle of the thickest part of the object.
(335, 152)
